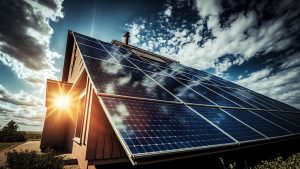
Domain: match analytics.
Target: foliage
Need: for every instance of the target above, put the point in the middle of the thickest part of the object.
(10, 133)
(292, 162)
(33, 160)
(33, 135)
(281, 163)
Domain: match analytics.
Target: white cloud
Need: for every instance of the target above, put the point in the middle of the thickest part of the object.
(24, 45)
(25, 36)
(168, 11)
(22, 98)
(283, 85)
(134, 30)
(241, 37)
(211, 7)
(22, 107)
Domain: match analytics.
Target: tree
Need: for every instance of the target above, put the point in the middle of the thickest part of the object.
(10, 133)
(11, 127)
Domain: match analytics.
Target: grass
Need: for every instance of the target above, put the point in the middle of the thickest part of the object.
(9, 145)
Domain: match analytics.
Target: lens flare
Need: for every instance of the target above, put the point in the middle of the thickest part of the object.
(62, 102)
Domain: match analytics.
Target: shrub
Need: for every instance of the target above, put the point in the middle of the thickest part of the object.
(280, 163)
(33, 160)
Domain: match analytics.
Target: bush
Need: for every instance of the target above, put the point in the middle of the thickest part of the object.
(10, 133)
(280, 163)
(33, 160)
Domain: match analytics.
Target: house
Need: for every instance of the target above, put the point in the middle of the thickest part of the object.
(117, 103)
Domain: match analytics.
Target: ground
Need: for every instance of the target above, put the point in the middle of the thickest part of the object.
(29, 145)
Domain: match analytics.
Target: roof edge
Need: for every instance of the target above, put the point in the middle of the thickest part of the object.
(118, 43)
(68, 54)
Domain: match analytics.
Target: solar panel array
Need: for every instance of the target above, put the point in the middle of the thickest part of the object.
(158, 108)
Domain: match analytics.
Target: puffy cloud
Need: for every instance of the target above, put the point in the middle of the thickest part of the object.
(220, 44)
(168, 11)
(233, 33)
(211, 7)
(282, 84)
(24, 108)
(23, 115)
(21, 98)
(25, 35)
(134, 30)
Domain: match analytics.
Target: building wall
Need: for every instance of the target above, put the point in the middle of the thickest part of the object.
(93, 141)
(102, 141)
(76, 65)
(58, 122)
(97, 142)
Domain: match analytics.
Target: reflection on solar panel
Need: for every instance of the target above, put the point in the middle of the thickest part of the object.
(233, 126)
(148, 127)
(162, 108)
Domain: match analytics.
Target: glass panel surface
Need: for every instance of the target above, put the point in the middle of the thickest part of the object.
(227, 123)
(148, 127)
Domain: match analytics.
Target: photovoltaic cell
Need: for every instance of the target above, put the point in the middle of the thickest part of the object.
(233, 127)
(295, 116)
(258, 123)
(279, 121)
(90, 43)
(278, 105)
(262, 105)
(197, 73)
(288, 116)
(179, 90)
(151, 127)
(96, 53)
(77, 35)
(175, 74)
(160, 64)
(215, 97)
(122, 60)
(228, 96)
(120, 80)
(146, 66)
(235, 93)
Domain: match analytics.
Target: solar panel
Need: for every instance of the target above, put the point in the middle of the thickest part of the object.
(288, 116)
(280, 121)
(262, 105)
(96, 53)
(275, 103)
(235, 93)
(264, 126)
(158, 108)
(152, 127)
(215, 97)
(232, 126)
(123, 61)
(146, 66)
(77, 35)
(121, 80)
(180, 90)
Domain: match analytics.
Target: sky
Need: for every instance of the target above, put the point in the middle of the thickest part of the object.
(253, 43)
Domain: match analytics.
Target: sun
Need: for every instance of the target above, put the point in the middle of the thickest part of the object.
(62, 102)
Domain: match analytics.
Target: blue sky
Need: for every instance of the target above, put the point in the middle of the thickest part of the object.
(253, 43)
